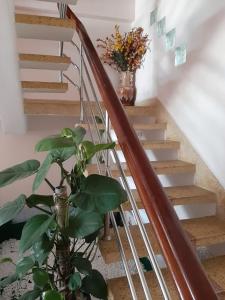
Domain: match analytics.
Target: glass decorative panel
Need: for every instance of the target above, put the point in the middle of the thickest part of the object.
(153, 16)
(170, 39)
(161, 27)
(180, 55)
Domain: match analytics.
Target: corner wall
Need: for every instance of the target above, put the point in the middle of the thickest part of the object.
(11, 105)
(193, 93)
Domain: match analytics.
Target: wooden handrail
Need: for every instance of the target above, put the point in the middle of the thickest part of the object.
(182, 261)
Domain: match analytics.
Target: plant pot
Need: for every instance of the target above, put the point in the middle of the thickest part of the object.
(127, 90)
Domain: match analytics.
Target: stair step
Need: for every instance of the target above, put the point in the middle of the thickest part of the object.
(149, 126)
(181, 195)
(119, 287)
(160, 167)
(215, 269)
(202, 232)
(70, 2)
(54, 107)
(45, 62)
(157, 145)
(136, 126)
(205, 231)
(44, 87)
(44, 28)
(143, 111)
(109, 249)
(64, 108)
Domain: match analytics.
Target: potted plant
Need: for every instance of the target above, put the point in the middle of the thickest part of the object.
(125, 53)
(62, 239)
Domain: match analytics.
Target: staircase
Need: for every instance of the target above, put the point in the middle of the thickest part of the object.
(175, 175)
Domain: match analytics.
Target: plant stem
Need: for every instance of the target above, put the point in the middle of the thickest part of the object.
(88, 247)
(50, 185)
(43, 210)
(74, 245)
(80, 246)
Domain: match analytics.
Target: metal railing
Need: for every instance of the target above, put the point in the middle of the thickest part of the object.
(87, 111)
(184, 277)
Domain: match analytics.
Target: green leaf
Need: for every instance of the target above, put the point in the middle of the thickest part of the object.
(62, 154)
(34, 200)
(11, 210)
(52, 295)
(24, 265)
(54, 142)
(8, 280)
(84, 223)
(42, 248)
(6, 260)
(100, 193)
(95, 284)
(77, 134)
(33, 230)
(91, 149)
(42, 172)
(83, 265)
(90, 238)
(40, 278)
(19, 171)
(74, 282)
(31, 295)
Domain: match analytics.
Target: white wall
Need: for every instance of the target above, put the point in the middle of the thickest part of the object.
(193, 93)
(99, 18)
(11, 107)
(18, 148)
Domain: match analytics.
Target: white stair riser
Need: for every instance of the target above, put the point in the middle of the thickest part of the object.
(44, 32)
(71, 2)
(155, 155)
(42, 90)
(53, 123)
(179, 179)
(184, 212)
(43, 65)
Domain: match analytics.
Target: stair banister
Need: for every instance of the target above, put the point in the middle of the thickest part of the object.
(182, 261)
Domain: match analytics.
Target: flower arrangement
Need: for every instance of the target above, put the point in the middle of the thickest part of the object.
(124, 52)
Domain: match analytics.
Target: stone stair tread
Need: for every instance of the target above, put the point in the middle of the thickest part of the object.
(144, 111)
(157, 144)
(40, 61)
(38, 86)
(54, 107)
(119, 287)
(172, 166)
(44, 107)
(44, 20)
(136, 126)
(203, 231)
(214, 267)
(160, 167)
(109, 249)
(44, 28)
(149, 126)
(181, 195)
(44, 58)
(189, 194)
